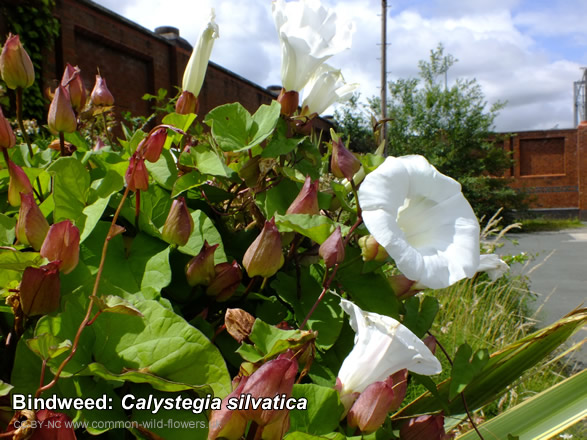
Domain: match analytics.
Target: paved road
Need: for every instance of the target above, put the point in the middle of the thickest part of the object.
(558, 274)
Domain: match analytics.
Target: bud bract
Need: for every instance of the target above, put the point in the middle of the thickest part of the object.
(371, 250)
(16, 66)
(332, 250)
(403, 287)
(193, 76)
(187, 103)
(53, 426)
(39, 289)
(371, 408)
(274, 378)
(278, 427)
(343, 163)
(225, 423)
(19, 183)
(289, 102)
(228, 278)
(152, 146)
(179, 223)
(100, 94)
(137, 176)
(264, 256)
(61, 117)
(7, 138)
(72, 81)
(200, 269)
(32, 227)
(429, 427)
(62, 243)
(307, 200)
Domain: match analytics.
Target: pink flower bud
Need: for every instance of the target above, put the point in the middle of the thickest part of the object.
(307, 200)
(343, 163)
(16, 66)
(100, 94)
(403, 287)
(264, 256)
(72, 81)
(332, 250)
(430, 342)
(371, 408)
(274, 378)
(7, 138)
(152, 146)
(228, 278)
(225, 423)
(200, 269)
(39, 289)
(179, 223)
(277, 429)
(32, 227)
(53, 426)
(371, 250)
(62, 243)
(19, 183)
(187, 103)
(137, 176)
(289, 102)
(61, 117)
(429, 427)
(399, 382)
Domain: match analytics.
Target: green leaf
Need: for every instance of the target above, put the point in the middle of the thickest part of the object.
(7, 230)
(5, 388)
(13, 263)
(465, 368)
(77, 139)
(316, 227)
(281, 144)
(541, 417)
(116, 304)
(183, 122)
(164, 171)
(208, 161)
(204, 229)
(234, 129)
(70, 188)
(47, 346)
(187, 181)
(323, 410)
(420, 315)
(503, 367)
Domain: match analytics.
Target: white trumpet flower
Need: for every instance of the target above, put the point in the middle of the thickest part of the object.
(195, 71)
(309, 35)
(423, 221)
(383, 346)
(493, 265)
(325, 87)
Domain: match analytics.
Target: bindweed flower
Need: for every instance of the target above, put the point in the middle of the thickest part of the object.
(72, 81)
(225, 423)
(383, 346)
(39, 289)
(62, 244)
(227, 279)
(325, 87)
(137, 176)
(200, 269)
(195, 71)
(371, 408)
(273, 378)
(332, 250)
(32, 227)
(343, 163)
(7, 138)
(179, 224)
(371, 250)
(187, 103)
(309, 34)
(494, 266)
(101, 95)
(152, 146)
(16, 66)
(19, 183)
(429, 427)
(61, 117)
(264, 256)
(307, 200)
(422, 219)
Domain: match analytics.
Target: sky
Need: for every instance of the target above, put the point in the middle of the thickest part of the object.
(526, 53)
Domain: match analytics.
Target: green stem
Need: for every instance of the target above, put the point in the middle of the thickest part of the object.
(62, 143)
(322, 294)
(19, 119)
(106, 132)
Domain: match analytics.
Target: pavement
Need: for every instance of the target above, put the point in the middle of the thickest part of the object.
(557, 274)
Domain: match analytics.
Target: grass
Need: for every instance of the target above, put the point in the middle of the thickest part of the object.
(544, 224)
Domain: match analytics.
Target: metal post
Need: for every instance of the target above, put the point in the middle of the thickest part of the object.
(384, 73)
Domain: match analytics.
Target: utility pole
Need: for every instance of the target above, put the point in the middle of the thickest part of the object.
(384, 74)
